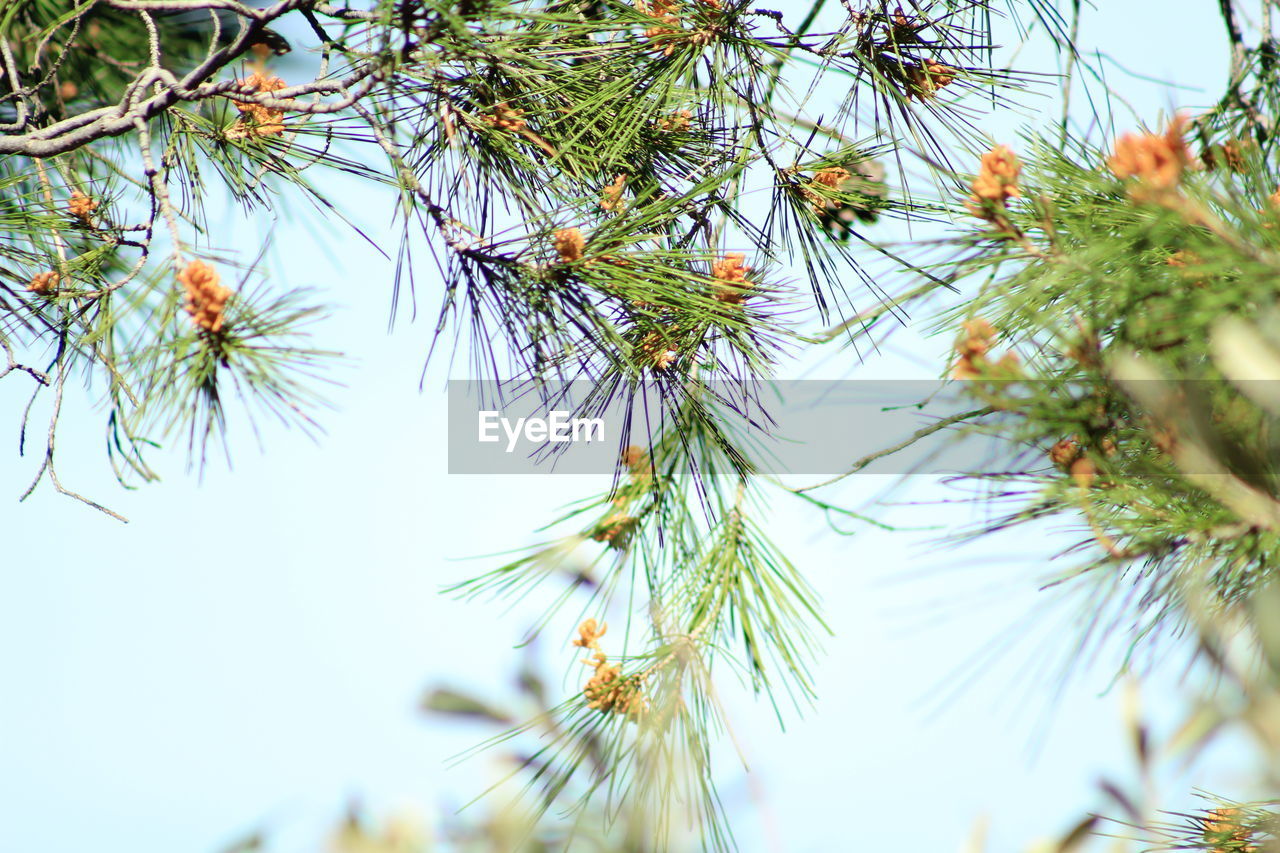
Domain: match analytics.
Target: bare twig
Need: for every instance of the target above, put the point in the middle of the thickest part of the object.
(37, 375)
(47, 464)
(159, 191)
(15, 86)
(902, 445)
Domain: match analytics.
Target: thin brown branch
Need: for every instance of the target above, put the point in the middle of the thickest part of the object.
(924, 432)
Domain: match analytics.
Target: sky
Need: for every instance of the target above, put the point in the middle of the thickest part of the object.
(249, 651)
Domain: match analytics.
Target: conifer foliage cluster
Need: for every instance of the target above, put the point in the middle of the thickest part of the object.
(580, 184)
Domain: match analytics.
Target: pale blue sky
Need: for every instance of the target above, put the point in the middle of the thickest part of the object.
(248, 652)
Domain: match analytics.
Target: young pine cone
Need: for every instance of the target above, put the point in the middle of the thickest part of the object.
(865, 181)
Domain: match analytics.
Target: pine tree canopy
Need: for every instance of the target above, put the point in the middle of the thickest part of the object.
(671, 203)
